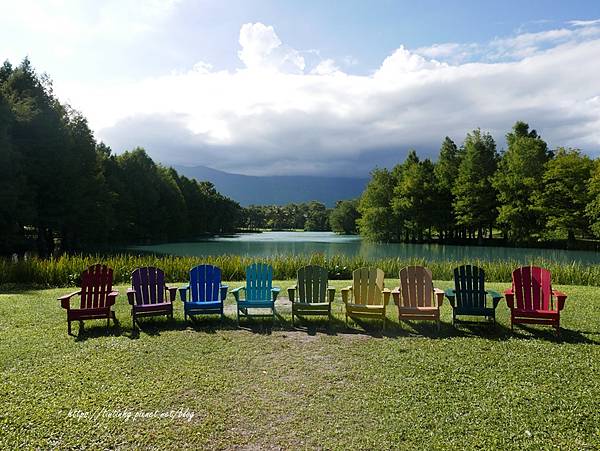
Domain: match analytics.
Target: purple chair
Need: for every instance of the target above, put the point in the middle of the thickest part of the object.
(148, 294)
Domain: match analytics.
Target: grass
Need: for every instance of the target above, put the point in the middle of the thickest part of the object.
(271, 387)
(64, 271)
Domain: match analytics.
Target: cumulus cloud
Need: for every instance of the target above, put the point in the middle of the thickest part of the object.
(262, 49)
(279, 115)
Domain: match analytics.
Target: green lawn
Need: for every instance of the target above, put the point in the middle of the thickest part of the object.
(260, 387)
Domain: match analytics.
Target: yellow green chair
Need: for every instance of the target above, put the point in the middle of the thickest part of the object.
(366, 297)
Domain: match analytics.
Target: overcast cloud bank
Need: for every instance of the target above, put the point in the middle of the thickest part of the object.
(280, 115)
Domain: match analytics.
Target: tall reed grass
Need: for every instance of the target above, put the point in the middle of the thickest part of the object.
(65, 270)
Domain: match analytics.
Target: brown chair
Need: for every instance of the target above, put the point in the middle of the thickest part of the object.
(416, 297)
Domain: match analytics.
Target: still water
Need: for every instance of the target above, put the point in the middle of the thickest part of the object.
(272, 243)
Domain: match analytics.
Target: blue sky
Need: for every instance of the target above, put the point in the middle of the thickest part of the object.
(313, 87)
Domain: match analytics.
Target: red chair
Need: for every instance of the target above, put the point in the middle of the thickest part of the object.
(97, 297)
(536, 301)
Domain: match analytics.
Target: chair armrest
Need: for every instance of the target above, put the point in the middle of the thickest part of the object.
(450, 293)
(509, 295)
(562, 297)
(172, 293)
(275, 292)
(495, 297)
(131, 296)
(346, 294)
(183, 293)
(439, 295)
(236, 293)
(65, 300)
(331, 294)
(396, 295)
(386, 296)
(111, 298)
(224, 289)
(292, 293)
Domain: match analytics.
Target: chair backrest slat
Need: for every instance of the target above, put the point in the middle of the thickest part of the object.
(96, 283)
(532, 287)
(367, 286)
(416, 287)
(469, 287)
(259, 281)
(149, 285)
(205, 283)
(312, 284)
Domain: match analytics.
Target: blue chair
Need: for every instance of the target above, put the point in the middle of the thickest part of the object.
(207, 293)
(469, 296)
(260, 293)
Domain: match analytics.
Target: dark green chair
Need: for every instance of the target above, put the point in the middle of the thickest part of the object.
(469, 296)
(314, 295)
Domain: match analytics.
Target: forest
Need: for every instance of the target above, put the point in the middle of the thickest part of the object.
(523, 195)
(59, 187)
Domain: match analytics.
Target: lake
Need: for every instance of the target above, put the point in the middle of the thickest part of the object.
(272, 243)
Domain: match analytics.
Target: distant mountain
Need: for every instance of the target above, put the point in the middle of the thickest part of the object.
(280, 189)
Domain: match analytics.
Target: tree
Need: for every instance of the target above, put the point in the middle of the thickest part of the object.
(593, 208)
(413, 198)
(446, 172)
(317, 217)
(565, 194)
(475, 197)
(12, 189)
(519, 183)
(344, 216)
(376, 222)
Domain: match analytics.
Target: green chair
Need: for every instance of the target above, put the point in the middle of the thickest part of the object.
(314, 293)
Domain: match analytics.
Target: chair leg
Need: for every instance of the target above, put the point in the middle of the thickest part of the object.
(69, 327)
(238, 317)
(81, 326)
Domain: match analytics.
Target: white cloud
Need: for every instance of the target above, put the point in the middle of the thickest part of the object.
(262, 49)
(277, 116)
(584, 23)
(325, 67)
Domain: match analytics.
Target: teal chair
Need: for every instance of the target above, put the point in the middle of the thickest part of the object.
(469, 296)
(260, 294)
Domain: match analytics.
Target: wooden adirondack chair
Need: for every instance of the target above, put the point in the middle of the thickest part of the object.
(314, 293)
(469, 296)
(536, 301)
(147, 294)
(366, 297)
(96, 295)
(260, 292)
(416, 297)
(207, 293)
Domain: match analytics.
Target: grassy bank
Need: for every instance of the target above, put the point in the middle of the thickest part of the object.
(263, 387)
(64, 271)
